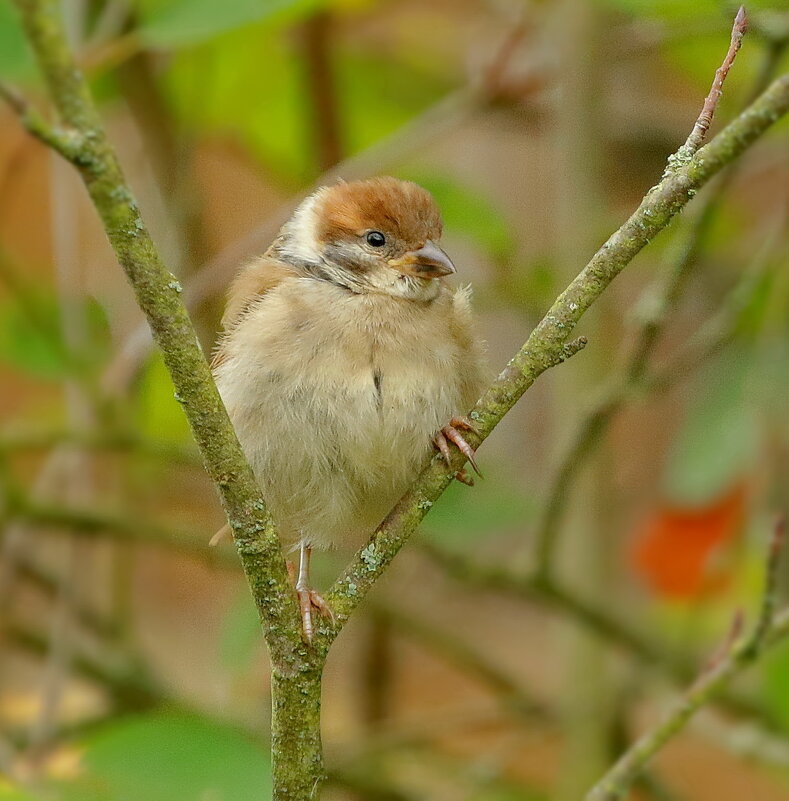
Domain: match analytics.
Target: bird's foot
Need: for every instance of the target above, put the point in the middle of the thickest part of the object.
(309, 600)
(451, 433)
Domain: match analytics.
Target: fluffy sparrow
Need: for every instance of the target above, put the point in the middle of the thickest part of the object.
(345, 353)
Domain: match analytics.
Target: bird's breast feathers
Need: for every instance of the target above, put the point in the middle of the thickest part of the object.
(337, 395)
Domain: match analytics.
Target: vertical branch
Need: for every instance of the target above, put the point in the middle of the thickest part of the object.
(316, 39)
(85, 144)
(75, 483)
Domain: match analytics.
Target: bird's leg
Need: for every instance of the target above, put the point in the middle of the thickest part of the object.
(450, 433)
(308, 598)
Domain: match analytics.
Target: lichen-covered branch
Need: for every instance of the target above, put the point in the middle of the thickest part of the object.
(547, 345)
(83, 142)
(159, 296)
(635, 377)
(769, 629)
(80, 138)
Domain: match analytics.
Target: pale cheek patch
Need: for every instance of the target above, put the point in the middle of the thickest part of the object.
(301, 241)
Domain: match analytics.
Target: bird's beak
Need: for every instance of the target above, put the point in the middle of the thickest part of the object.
(429, 261)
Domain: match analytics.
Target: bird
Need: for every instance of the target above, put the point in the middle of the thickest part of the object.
(346, 357)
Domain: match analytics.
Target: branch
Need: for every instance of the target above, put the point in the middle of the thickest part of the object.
(635, 379)
(159, 296)
(547, 344)
(603, 621)
(704, 121)
(121, 526)
(598, 418)
(21, 438)
(768, 630)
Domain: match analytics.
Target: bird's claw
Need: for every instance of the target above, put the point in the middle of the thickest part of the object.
(450, 433)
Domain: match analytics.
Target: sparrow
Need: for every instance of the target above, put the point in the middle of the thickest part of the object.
(345, 358)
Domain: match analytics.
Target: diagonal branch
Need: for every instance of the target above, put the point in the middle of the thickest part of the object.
(159, 296)
(597, 617)
(547, 344)
(769, 629)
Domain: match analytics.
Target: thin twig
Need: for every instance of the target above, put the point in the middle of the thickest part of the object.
(769, 629)
(585, 611)
(658, 301)
(760, 632)
(63, 142)
(696, 138)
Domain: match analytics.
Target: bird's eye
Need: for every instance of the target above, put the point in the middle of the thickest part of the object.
(376, 239)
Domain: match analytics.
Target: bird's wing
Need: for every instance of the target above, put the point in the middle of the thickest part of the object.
(253, 281)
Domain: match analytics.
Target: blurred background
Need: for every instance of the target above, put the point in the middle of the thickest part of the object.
(541, 619)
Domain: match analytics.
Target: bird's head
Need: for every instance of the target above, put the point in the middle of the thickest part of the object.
(377, 235)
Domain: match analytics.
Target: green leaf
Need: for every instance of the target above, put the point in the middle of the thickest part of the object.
(469, 212)
(719, 436)
(178, 23)
(170, 757)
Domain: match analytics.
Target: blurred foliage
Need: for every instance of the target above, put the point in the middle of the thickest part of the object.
(493, 506)
(719, 437)
(158, 413)
(31, 338)
(209, 86)
(15, 59)
(234, 72)
(240, 642)
(167, 757)
(775, 670)
(10, 793)
(468, 212)
(178, 23)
